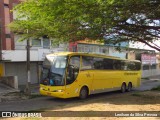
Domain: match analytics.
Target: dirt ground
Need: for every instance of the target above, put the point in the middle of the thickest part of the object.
(134, 101)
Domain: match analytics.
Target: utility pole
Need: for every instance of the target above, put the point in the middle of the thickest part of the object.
(28, 90)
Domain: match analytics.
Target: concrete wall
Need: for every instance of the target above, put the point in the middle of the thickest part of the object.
(151, 72)
(19, 69)
(11, 81)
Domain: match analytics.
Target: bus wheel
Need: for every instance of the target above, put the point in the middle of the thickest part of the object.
(123, 88)
(129, 87)
(83, 93)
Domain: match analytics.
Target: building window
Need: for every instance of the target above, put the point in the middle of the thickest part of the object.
(6, 5)
(36, 42)
(8, 35)
(46, 42)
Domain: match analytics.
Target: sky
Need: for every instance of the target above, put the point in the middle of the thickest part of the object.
(139, 45)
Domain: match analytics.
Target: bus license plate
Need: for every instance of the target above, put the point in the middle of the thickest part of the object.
(48, 93)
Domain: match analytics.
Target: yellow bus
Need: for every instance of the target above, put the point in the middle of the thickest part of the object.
(73, 74)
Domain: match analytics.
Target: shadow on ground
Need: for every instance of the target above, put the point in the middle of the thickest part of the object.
(115, 98)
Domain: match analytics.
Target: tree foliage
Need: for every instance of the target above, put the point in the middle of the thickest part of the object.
(117, 20)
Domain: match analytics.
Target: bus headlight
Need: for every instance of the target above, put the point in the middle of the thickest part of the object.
(58, 90)
(41, 88)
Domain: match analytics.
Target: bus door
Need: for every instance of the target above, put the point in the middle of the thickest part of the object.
(72, 86)
(86, 72)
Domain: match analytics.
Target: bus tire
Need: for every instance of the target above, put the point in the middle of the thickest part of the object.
(129, 88)
(123, 88)
(83, 93)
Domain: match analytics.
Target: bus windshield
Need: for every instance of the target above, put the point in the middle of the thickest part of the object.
(54, 70)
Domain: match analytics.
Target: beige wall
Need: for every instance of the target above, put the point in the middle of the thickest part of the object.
(131, 55)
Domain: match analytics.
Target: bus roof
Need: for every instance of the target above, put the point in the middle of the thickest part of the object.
(87, 54)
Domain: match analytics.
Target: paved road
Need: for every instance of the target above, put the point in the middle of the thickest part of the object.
(41, 103)
(148, 84)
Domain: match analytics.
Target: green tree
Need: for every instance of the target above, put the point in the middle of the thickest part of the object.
(118, 20)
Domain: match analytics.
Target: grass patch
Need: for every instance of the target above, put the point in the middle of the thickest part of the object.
(156, 88)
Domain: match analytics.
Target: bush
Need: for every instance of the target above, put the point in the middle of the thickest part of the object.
(156, 88)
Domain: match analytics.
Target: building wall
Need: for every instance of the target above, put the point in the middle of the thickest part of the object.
(150, 72)
(7, 39)
(19, 69)
(2, 26)
(96, 48)
(131, 55)
(92, 48)
(116, 53)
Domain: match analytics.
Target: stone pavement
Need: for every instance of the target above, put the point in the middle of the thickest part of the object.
(4, 89)
(9, 94)
(34, 88)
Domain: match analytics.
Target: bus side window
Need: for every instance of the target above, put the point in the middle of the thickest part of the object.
(123, 65)
(108, 64)
(133, 66)
(87, 63)
(138, 65)
(117, 65)
(97, 63)
(73, 69)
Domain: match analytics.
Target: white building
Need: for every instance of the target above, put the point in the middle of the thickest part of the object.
(150, 61)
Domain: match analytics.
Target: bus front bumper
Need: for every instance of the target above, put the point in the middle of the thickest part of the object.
(58, 94)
